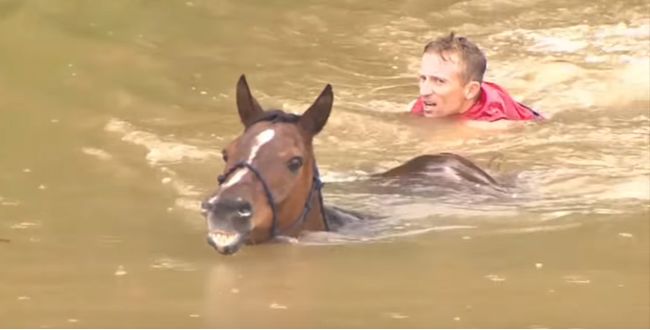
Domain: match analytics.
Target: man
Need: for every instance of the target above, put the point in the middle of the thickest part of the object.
(451, 85)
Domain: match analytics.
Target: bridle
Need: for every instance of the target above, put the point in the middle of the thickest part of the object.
(316, 185)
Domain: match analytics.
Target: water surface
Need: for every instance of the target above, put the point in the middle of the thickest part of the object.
(112, 116)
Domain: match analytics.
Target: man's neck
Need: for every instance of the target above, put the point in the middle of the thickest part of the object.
(468, 104)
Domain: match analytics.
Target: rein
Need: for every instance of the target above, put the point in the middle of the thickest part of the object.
(316, 185)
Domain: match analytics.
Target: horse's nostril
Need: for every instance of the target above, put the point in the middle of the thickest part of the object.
(244, 210)
(206, 206)
(228, 207)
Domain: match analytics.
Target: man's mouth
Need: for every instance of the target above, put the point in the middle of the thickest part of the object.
(429, 106)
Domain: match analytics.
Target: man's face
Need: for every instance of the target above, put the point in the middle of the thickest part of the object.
(442, 85)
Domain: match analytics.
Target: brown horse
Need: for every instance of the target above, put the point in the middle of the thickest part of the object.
(271, 184)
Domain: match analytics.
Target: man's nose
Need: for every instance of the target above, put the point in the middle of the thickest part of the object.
(426, 87)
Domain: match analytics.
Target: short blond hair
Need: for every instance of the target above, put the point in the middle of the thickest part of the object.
(472, 57)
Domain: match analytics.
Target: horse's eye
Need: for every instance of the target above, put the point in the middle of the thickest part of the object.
(224, 155)
(294, 164)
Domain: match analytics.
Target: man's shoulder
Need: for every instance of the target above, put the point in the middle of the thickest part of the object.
(499, 100)
(411, 105)
(415, 107)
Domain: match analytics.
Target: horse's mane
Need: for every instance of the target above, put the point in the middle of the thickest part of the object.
(275, 116)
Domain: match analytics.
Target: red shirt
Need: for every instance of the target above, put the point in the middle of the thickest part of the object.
(494, 104)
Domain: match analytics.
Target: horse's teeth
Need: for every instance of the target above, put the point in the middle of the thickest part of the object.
(223, 239)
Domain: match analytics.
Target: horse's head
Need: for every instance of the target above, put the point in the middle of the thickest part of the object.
(270, 176)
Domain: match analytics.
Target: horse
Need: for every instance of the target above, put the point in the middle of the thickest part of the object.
(271, 187)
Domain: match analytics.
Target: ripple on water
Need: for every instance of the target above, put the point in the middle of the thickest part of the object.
(576, 279)
(25, 225)
(495, 278)
(120, 271)
(168, 263)
(8, 202)
(363, 234)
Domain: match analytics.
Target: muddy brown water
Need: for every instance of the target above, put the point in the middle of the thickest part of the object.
(112, 115)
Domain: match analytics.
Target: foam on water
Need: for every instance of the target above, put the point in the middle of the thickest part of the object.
(97, 153)
(161, 154)
(159, 150)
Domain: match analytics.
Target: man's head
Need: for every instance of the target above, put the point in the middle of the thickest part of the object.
(451, 73)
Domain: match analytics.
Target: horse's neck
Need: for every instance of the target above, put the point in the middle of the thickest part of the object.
(311, 220)
(314, 218)
(321, 217)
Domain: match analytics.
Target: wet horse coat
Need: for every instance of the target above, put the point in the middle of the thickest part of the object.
(271, 185)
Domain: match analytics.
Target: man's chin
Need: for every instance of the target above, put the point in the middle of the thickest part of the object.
(432, 114)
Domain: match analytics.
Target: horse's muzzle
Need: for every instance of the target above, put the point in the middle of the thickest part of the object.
(225, 246)
(229, 223)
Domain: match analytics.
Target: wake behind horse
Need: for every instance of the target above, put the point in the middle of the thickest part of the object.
(271, 185)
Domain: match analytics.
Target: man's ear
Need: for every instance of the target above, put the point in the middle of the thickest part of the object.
(247, 106)
(472, 90)
(315, 118)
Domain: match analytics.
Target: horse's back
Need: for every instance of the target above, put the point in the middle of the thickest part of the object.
(444, 170)
(448, 166)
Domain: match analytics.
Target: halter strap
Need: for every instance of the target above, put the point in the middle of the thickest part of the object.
(316, 185)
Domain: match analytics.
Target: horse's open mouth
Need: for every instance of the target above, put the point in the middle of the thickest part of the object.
(225, 242)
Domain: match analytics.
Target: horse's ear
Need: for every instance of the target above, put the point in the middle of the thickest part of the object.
(247, 106)
(315, 118)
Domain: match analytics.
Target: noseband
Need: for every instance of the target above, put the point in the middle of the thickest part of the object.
(316, 185)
